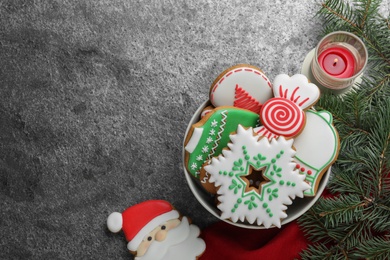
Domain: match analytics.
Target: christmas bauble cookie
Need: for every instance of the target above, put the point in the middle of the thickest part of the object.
(317, 148)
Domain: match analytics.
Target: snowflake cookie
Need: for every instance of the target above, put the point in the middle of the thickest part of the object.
(256, 178)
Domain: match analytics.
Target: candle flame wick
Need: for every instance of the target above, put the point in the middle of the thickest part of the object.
(335, 62)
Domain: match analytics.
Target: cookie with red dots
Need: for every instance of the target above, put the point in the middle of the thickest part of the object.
(317, 148)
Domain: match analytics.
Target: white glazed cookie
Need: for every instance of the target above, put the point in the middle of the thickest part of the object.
(265, 202)
(242, 86)
(317, 147)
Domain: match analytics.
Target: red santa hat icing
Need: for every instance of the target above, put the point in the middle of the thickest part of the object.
(139, 220)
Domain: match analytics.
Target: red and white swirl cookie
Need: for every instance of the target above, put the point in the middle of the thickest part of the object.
(284, 114)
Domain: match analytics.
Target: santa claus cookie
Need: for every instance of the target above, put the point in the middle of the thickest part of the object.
(242, 86)
(154, 231)
(317, 147)
(256, 178)
(283, 115)
(210, 135)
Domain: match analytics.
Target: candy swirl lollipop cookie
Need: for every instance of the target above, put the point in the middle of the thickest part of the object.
(284, 114)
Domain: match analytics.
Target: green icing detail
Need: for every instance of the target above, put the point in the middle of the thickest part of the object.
(235, 186)
(251, 203)
(271, 170)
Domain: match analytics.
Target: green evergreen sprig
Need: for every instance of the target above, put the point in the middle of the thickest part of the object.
(355, 222)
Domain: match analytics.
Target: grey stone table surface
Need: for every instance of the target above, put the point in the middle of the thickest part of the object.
(95, 98)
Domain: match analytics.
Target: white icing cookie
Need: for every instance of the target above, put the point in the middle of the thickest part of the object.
(317, 147)
(297, 89)
(242, 86)
(270, 165)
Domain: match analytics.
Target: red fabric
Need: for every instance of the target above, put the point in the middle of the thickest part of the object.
(225, 241)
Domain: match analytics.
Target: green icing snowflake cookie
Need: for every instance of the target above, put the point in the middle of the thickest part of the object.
(256, 178)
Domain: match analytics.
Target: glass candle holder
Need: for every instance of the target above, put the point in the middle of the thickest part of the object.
(339, 58)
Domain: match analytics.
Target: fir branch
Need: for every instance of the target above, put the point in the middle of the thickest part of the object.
(356, 222)
(375, 248)
(343, 209)
(336, 8)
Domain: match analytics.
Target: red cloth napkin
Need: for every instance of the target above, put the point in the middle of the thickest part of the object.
(225, 241)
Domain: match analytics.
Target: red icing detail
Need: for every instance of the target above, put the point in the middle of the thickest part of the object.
(298, 166)
(269, 84)
(309, 172)
(282, 117)
(293, 94)
(238, 70)
(258, 73)
(137, 216)
(244, 100)
(248, 70)
(303, 102)
(230, 73)
(280, 91)
(261, 130)
(285, 93)
(221, 80)
(302, 169)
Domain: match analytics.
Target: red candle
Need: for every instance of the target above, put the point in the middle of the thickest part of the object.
(337, 62)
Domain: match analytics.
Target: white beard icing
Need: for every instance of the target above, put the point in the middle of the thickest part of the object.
(181, 243)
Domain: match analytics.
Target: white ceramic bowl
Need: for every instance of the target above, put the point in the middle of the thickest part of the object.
(295, 210)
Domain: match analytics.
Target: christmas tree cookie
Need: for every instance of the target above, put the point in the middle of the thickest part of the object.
(243, 86)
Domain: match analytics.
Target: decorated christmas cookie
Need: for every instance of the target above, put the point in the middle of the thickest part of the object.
(317, 147)
(242, 86)
(256, 178)
(210, 135)
(154, 231)
(283, 115)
